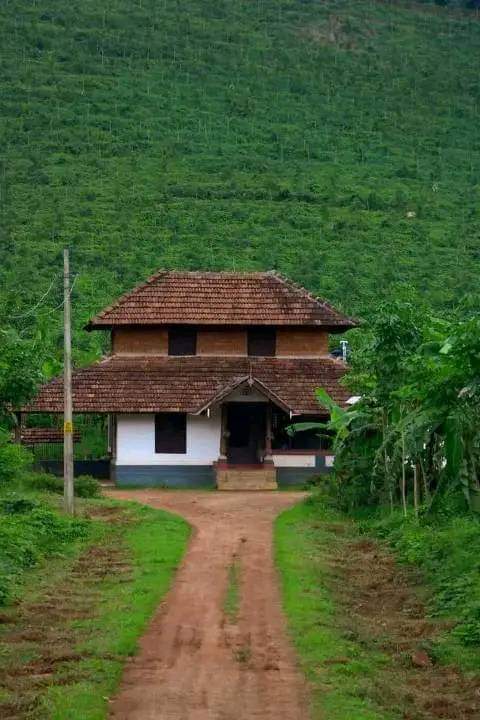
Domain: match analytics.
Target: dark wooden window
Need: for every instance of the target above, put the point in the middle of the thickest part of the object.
(170, 433)
(262, 341)
(182, 340)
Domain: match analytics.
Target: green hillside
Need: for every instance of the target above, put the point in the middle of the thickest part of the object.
(336, 141)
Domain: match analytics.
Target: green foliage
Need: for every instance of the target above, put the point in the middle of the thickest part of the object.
(13, 459)
(304, 552)
(30, 531)
(414, 435)
(19, 372)
(231, 602)
(447, 549)
(334, 141)
(462, 4)
(413, 441)
(135, 555)
(85, 485)
(152, 542)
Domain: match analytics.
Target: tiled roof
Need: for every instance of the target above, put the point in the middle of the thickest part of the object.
(217, 298)
(189, 384)
(41, 435)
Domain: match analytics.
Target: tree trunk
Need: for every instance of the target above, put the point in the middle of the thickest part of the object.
(387, 485)
(404, 478)
(426, 490)
(415, 489)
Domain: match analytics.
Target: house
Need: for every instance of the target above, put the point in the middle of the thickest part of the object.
(206, 372)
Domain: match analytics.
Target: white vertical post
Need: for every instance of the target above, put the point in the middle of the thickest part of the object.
(68, 491)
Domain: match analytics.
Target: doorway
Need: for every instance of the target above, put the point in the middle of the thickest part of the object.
(246, 425)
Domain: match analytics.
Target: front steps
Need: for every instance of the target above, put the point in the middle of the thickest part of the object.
(246, 477)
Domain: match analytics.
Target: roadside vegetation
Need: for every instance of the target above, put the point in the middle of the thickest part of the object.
(75, 592)
(384, 566)
(446, 549)
(76, 595)
(367, 625)
(408, 456)
(341, 672)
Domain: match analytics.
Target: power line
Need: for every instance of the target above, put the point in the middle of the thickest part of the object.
(44, 313)
(37, 305)
(57, 307)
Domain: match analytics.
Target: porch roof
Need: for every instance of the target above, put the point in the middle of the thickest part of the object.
(140, 384)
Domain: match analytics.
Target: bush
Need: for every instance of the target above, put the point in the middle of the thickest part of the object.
(17, 505)
(45, 481)
(85, 485)
(13, 459)
(447, 549)
(29, 532)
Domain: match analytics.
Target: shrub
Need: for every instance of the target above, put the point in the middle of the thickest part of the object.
(45, 481)
(85, 485)
(17, 505)
(13, 459)
(447, 549)
(29, 532)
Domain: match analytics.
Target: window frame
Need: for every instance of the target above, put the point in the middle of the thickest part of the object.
(178, 436)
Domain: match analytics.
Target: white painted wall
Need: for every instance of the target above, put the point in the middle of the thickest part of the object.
(293, 460)
(136, 441)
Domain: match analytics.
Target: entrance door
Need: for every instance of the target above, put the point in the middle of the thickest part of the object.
(246, 424)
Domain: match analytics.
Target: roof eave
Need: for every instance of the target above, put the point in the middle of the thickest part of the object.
(331, 327)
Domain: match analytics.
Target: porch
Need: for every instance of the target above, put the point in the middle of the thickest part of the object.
(239, 439)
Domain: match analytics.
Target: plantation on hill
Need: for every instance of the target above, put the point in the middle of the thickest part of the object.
(335, 141)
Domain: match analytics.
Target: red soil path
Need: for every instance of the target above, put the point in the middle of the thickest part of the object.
(195, 663)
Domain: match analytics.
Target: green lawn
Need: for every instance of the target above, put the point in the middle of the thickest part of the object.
(339, 670)
(382, 631)
(447, 550)
(80, 613)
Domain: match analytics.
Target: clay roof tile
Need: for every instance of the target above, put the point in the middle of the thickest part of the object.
(216, 298)
(188, 384)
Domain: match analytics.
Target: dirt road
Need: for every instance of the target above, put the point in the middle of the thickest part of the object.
(197, 662)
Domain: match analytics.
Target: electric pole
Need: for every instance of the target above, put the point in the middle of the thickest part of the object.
(68, 494)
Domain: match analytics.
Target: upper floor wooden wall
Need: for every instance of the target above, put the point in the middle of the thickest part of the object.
(290, 341)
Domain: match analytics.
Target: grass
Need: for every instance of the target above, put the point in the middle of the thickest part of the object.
(447, 550)
(87, 609)
(32, 530)
(232, 596)
(363, 613)
(340, 671)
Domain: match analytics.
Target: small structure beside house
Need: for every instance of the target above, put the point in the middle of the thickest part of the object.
(31, 436)
(205, 373)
